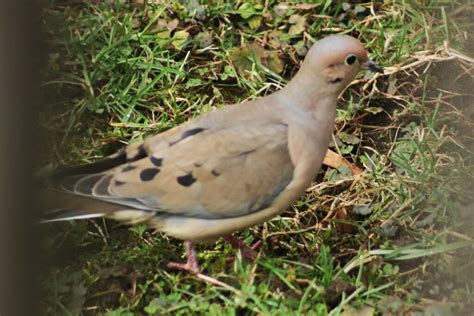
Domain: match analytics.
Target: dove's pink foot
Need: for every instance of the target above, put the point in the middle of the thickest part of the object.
(191, 266)
(249, 253)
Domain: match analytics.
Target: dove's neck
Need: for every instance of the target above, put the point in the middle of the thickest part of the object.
(309, 94)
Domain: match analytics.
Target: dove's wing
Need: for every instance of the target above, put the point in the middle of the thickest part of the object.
(203, 173)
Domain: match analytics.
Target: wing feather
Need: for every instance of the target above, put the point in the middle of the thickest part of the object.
(197, 171)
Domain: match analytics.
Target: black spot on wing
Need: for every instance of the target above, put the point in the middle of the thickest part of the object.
(141, 153)
(186, 134)
(148, 174)
(186, 180)
(156, 161)
(192, 132)
(215, 173)
(128, 168)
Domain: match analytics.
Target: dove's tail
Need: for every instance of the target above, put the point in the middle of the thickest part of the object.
(59, 206)
(71, 195)
(56, 204)
(60, 215)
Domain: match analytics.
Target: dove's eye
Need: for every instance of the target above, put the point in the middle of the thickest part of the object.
(351, 59)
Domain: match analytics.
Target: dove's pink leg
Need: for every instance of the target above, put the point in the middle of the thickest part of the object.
(191, 265)
(249, 253)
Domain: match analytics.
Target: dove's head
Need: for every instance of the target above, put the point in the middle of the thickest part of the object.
(334, 61)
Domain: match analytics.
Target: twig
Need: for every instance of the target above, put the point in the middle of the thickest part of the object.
(219, 283)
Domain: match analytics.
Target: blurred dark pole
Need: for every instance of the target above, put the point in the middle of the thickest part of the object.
(20, 66)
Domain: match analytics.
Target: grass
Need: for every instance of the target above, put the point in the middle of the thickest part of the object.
(395, 239)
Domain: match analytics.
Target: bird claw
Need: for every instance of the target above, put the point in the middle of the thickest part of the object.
(249, 253)
(191, 266)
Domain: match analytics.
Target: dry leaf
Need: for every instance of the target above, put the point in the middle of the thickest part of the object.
(172, 25)
(136, 22)
(280, 9)
(159, 25)
(343, 227)
(335, 161)
(244, 58)
(278, 39)
(179, 39)
(273, 62)
(299, 24)
(348, 138)
(306, 6)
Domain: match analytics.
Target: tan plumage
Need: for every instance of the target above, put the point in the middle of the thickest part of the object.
(228, 169)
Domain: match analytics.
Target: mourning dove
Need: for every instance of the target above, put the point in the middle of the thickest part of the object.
(225, 170)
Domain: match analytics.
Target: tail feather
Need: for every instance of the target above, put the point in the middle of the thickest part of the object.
(68, 215)
(108, 163)
(81, 192)
(61, 206)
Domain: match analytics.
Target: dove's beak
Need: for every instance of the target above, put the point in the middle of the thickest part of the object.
(372, 66)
